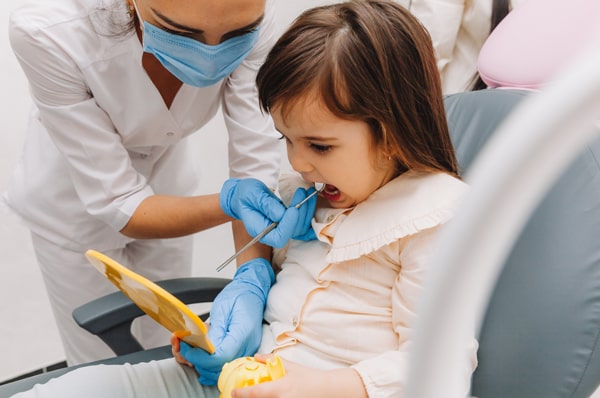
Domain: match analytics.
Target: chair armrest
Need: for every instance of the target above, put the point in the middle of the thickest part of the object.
(110, 317)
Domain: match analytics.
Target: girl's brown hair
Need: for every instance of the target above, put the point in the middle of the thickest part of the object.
(368, 60)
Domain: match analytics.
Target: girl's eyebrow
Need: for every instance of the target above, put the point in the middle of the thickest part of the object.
(189, 29)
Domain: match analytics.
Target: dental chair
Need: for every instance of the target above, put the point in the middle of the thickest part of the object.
(546, 302)
(541, 332)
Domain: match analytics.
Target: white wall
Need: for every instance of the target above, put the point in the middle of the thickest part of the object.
(28, 337)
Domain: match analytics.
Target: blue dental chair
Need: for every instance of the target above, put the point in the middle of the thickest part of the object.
(541, 332)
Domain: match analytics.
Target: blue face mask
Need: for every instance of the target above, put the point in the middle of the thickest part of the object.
(194, 62)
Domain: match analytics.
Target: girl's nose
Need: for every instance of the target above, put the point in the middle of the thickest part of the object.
(298, 161)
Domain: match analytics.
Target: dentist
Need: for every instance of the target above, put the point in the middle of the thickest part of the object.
(117, 86)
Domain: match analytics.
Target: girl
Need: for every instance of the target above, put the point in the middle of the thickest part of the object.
(354, 90)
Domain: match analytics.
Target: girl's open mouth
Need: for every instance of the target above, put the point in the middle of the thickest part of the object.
(331, 192)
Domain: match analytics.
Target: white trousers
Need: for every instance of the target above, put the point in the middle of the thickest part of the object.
(155, 379)
(71, 281)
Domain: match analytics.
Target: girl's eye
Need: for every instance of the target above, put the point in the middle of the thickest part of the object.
(321, 148)
(283, 137)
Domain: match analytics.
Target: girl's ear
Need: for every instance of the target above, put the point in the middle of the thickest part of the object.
(384, 157)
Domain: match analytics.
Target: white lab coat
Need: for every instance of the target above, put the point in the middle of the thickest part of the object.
(100, 138)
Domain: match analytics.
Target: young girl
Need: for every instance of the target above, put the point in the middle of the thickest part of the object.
(354, 90)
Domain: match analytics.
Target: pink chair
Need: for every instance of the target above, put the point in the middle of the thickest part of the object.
(537, 40)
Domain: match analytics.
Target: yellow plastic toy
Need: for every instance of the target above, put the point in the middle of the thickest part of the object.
(246, 372)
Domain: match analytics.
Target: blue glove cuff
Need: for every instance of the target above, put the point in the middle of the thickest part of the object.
(257, 272)
(225, 196)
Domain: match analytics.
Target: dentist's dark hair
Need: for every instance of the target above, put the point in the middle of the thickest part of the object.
(113, 19)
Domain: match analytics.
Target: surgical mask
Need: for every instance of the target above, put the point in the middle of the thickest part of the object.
(194, 62)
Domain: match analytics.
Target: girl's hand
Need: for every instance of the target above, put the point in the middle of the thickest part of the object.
(236, 317)
(175, 350)
(301, 382)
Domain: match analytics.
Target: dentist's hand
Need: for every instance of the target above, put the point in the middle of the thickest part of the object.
(235, 320)
(257, 206)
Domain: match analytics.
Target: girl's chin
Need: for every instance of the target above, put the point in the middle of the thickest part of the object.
(337, 205)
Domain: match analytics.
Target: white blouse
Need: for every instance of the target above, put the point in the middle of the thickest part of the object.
(349, 298)
(101, 139)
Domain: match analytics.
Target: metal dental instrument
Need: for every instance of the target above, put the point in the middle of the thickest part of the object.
(318, 186)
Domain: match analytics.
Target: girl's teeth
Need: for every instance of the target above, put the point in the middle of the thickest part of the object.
(331, 190)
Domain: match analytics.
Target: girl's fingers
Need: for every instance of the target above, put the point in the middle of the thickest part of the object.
(175, 348)
(263, 357)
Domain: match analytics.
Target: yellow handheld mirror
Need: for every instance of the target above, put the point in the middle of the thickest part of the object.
(155, 301)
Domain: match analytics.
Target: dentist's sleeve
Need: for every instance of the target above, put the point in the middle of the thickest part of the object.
(254, 147)
(97, 162)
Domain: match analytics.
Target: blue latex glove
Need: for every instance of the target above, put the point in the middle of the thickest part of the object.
(257, 206)
(236, 318)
